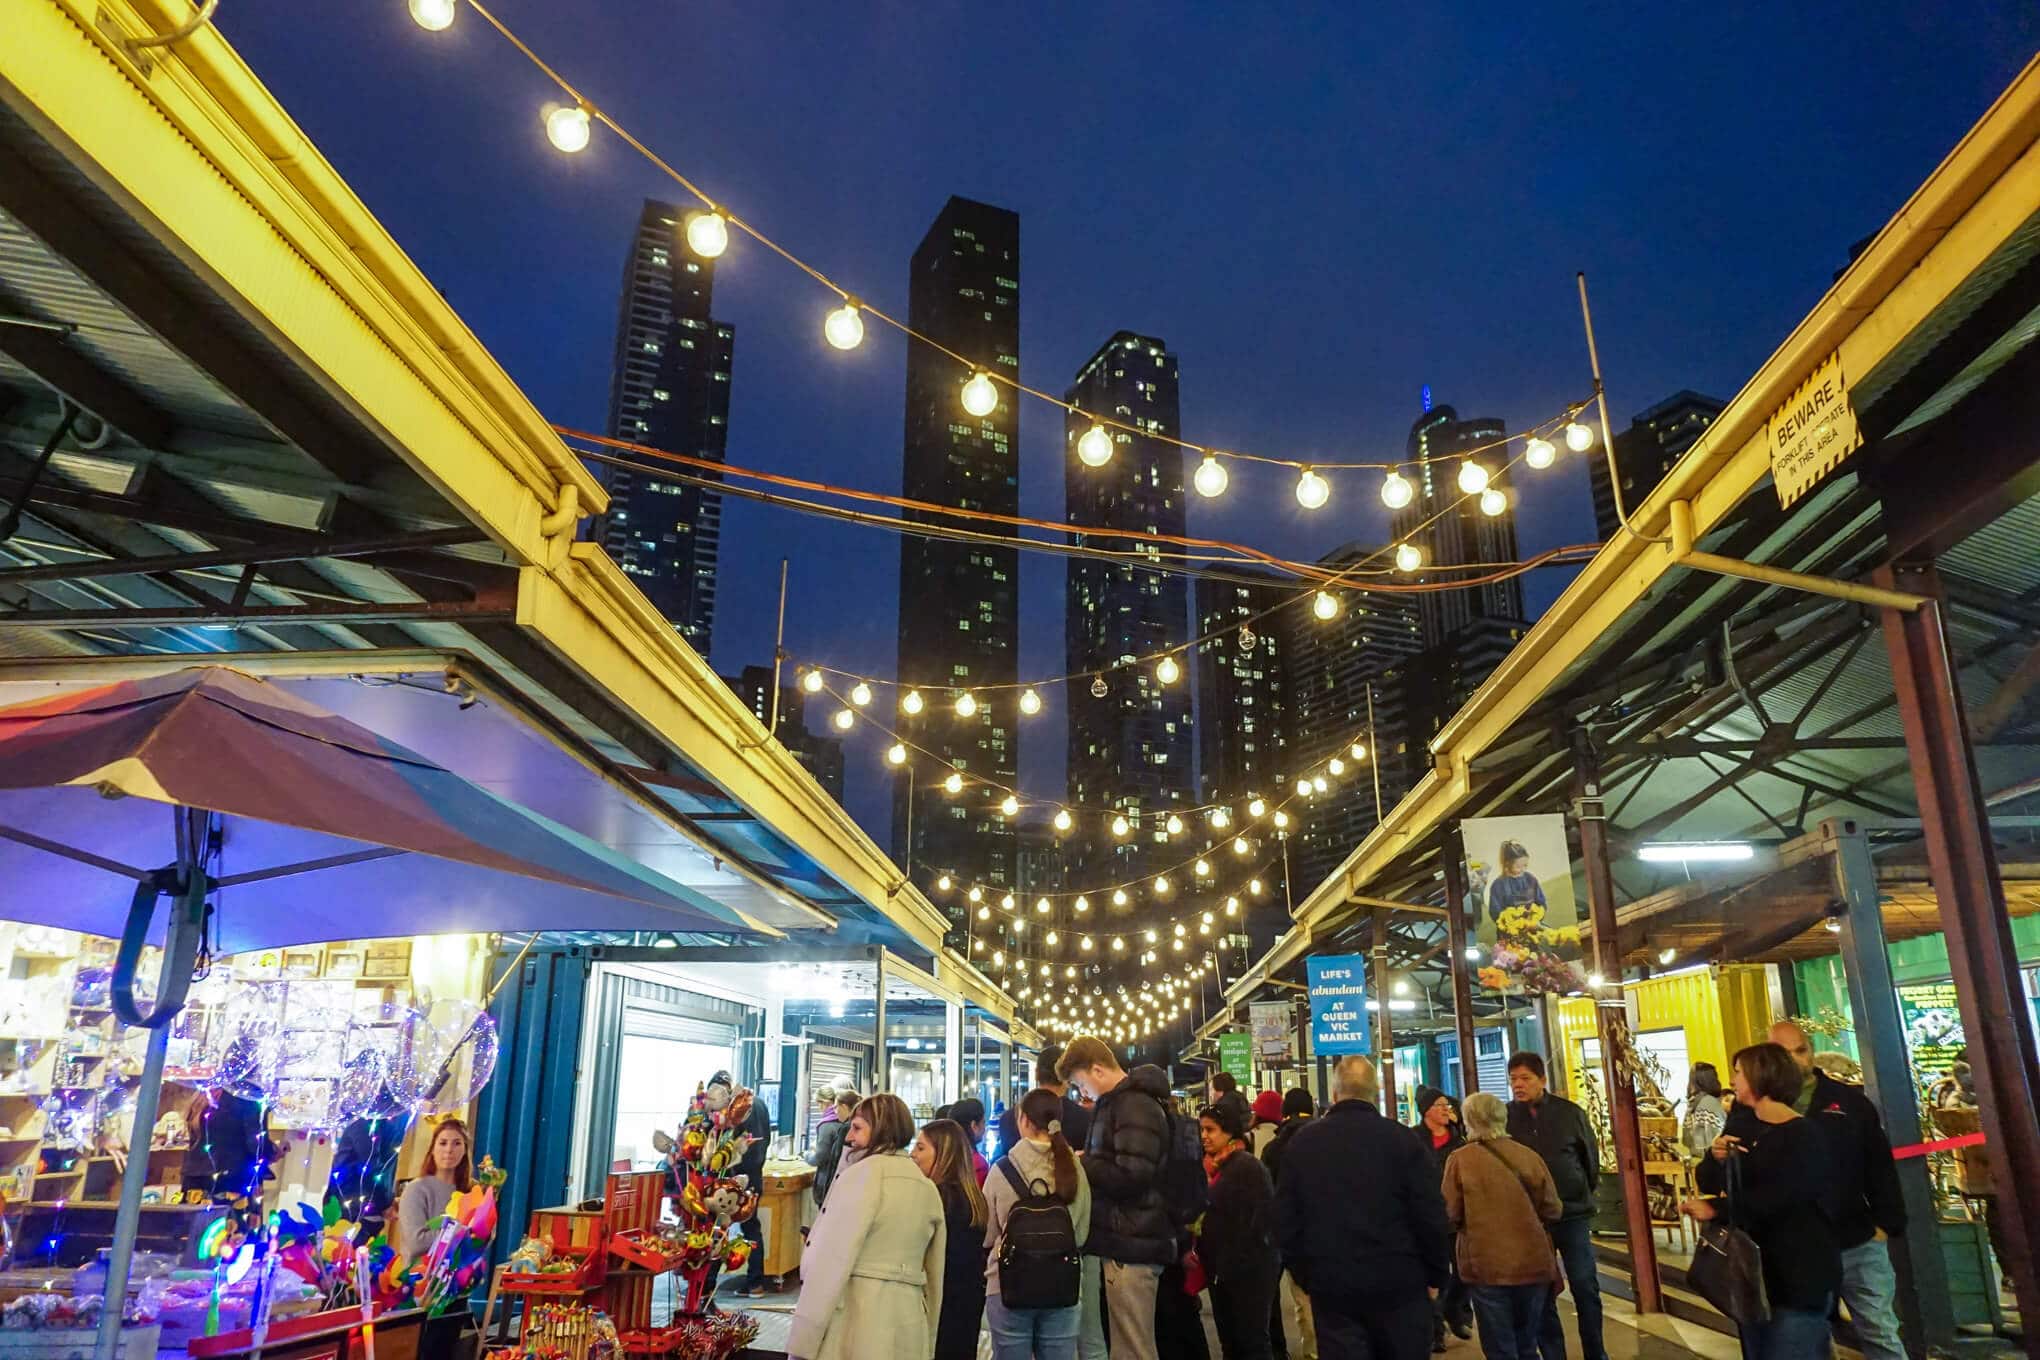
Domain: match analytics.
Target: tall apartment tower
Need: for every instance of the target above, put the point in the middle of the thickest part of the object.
(821, 756)
(1332, 667)
(959, 614)
(1645, 452)
(1131, 748)
(1243, 732)
(1448, 525)
(669, 388)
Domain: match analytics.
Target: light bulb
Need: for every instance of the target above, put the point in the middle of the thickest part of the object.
(1009, 805)
(1256, 808)
(1312, 491)
(812, 682)
(1325, 605)
(1085, 945)
(568, 128)
(1396, 491)
(1099, 689)
(1408, 557)
(1120, 827)
(1358, 750)
(910, 702)
(1335, 767)
(1167, 671)
(1007, 902)
(844, 719)
(1232, 906)
(1052, 939)
(1118, 944)
(966, 705)
(1119, 897)
(1202, 868)
(860, 694)
(1094, 447)
(1020, 926)
(980, 397)
(896, 754)
(1063, 820)
(1317, 784)
(1030, 703)
(1493, 502)
(1210, 477)
(1539, 453)
(1082, 904)
(1281, 819)
(1174, 825)
(1220, 819)
(1579, 438)
(1667, 955)
(942, 883)
(1150, 936)
(435, 16)
(1179, 928)
(844, 327)
(1041, 906)
(1256, 887)
(984, 913)
(708, 234)
(1594, 979)
(953, 784)
(976, 893)
(1473, 477)
(1240, 846)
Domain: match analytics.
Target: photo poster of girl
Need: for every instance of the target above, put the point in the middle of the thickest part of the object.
(1522, 863)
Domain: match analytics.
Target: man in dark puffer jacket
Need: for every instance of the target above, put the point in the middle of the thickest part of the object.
(1131, 1231)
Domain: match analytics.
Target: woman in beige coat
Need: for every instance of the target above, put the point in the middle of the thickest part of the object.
(1499, 1196)
(871, 1274)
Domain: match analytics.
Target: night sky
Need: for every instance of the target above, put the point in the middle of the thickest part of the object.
(1320, 209)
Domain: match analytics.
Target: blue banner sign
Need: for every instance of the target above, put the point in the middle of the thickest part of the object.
(1339, 1022)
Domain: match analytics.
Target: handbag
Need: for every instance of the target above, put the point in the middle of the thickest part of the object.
(1557, 1261)
(1728, 1265)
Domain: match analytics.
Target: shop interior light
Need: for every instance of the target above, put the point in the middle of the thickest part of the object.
(1696, 852)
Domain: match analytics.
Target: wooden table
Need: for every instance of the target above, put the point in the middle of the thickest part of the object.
(779, 1208)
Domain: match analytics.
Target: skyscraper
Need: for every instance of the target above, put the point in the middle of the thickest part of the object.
(1242, 692)
(1448, 525)
(959, 616)
(1130, 748)
(1645, 452)
(669, 388)
(1331, 665)
(821, 756)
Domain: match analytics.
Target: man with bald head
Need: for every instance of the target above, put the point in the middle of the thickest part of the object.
(1360, 1225)
(1869, 1207)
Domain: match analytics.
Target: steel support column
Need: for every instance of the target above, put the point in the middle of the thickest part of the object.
(1384, 1028)
(883, 1080)
(1955, 824)
(1923, 1303)
(1612, 1022)
(1452, 855)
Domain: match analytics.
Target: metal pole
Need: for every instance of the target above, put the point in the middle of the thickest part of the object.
(1612, 1022)
(1970, 894)
(1923, 1302)
(778, 650)
(1373, 753)
(1607, 441)
(1452, 853)
(1384, 1029)
(883, 1082)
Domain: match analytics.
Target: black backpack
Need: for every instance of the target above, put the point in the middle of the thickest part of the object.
(1038, 1262)
(1185, 1190)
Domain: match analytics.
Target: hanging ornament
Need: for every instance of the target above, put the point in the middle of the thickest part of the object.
(1099, 689)
(1248, 638)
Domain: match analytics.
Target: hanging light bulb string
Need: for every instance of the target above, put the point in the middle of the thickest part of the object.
(1214, 907)
(587, 109)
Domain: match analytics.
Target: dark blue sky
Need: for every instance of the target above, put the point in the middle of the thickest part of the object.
(1319, 208)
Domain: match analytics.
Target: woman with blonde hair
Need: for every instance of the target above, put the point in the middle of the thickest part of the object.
(943, 1154)
(1499, 1195)
(871, 1275)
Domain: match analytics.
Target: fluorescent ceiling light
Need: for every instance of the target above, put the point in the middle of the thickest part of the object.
(1696, 852)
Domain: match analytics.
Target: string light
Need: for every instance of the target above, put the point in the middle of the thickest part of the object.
(1257, 808)
(1082, 904)
(1202, 868)
(1094, 447)
(1256, 887)
(843, 327)
(1493, 502)
(954, 783)
(1408, 557)
(1473, 477)
(980, 395)
(1118, 945)
(1232, 906)
(911, 702)
(1085, 944)
(1006, 902)
(1162, 883)
(1281, 819)
(1539, 453)
(1312, 491)
(812, 682)
(896, 754)
(1119, 897)
(1335, 767)
(1325, 605)
(434, 16)
(1220, 819)
(1120, 826)
(844, 719)
(966, 705)
(1358, 750)
(1579, 438)
(708, 234)
(1240, 846)
(567, 128)
(1009, 805)
(944, 883)
(1174, 826)
(1210, 478)
(1167, 671)
(1396, 491)
(1063, 820)
(1041, 906)
(860, 694)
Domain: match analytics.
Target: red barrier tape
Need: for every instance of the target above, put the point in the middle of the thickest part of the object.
(1938, 1145)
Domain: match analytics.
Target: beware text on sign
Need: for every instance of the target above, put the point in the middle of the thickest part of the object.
(1339, 1022)
(1812, 432)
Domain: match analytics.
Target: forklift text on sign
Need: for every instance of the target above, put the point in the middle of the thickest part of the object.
(1812, 432)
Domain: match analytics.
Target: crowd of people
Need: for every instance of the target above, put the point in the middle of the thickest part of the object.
(1110, 1207)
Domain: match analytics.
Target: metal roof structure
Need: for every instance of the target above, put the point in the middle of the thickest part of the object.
(238, 425)
(1723, 708)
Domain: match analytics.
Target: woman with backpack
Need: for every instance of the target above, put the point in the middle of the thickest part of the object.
(1500, 1197)
(943, 1152)
(1039, 1207)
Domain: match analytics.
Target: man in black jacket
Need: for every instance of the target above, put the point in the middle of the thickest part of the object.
(1131, 1231)
(1076, 1120)
(1360, 1224)
(1559, 1131)
(1869, 1207)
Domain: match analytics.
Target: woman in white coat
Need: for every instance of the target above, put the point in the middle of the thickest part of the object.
(871, 1274)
